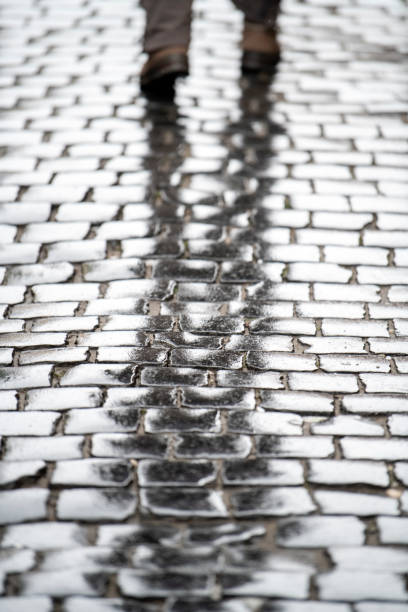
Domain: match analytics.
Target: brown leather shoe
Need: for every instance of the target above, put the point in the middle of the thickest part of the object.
(162, 69)
(260, 47)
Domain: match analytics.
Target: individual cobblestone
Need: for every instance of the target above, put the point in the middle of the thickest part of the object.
(358, 586)
(13, 471)
(47, 448)
(95, 505)
(183, 502)
(203, 321)
(60, 584)
(19, 604)
(92, 472)
(320, 531)
(23, 505)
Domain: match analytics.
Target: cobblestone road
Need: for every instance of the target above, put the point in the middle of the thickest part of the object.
(204, 323)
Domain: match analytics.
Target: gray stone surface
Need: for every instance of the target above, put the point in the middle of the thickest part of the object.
(203, 314)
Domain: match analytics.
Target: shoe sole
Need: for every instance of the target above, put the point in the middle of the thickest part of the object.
(162, 76)
(254, 61)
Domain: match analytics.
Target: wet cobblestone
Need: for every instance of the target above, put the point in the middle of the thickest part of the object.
(203, 315)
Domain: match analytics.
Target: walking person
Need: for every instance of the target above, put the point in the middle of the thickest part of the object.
(167, 39)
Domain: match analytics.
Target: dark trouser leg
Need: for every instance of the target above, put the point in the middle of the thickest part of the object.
(167, 24)
(260, 46)
(259, 11)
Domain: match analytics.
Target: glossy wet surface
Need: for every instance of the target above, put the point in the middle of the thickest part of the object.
(204, 333)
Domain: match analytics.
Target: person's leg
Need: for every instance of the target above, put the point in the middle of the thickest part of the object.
(167, 24)
(259, 43)
(166, 40)
(263, 12)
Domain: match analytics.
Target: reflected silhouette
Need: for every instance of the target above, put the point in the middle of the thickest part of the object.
(210, 179)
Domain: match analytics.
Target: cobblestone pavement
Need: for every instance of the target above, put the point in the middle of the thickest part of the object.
(204, 327)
